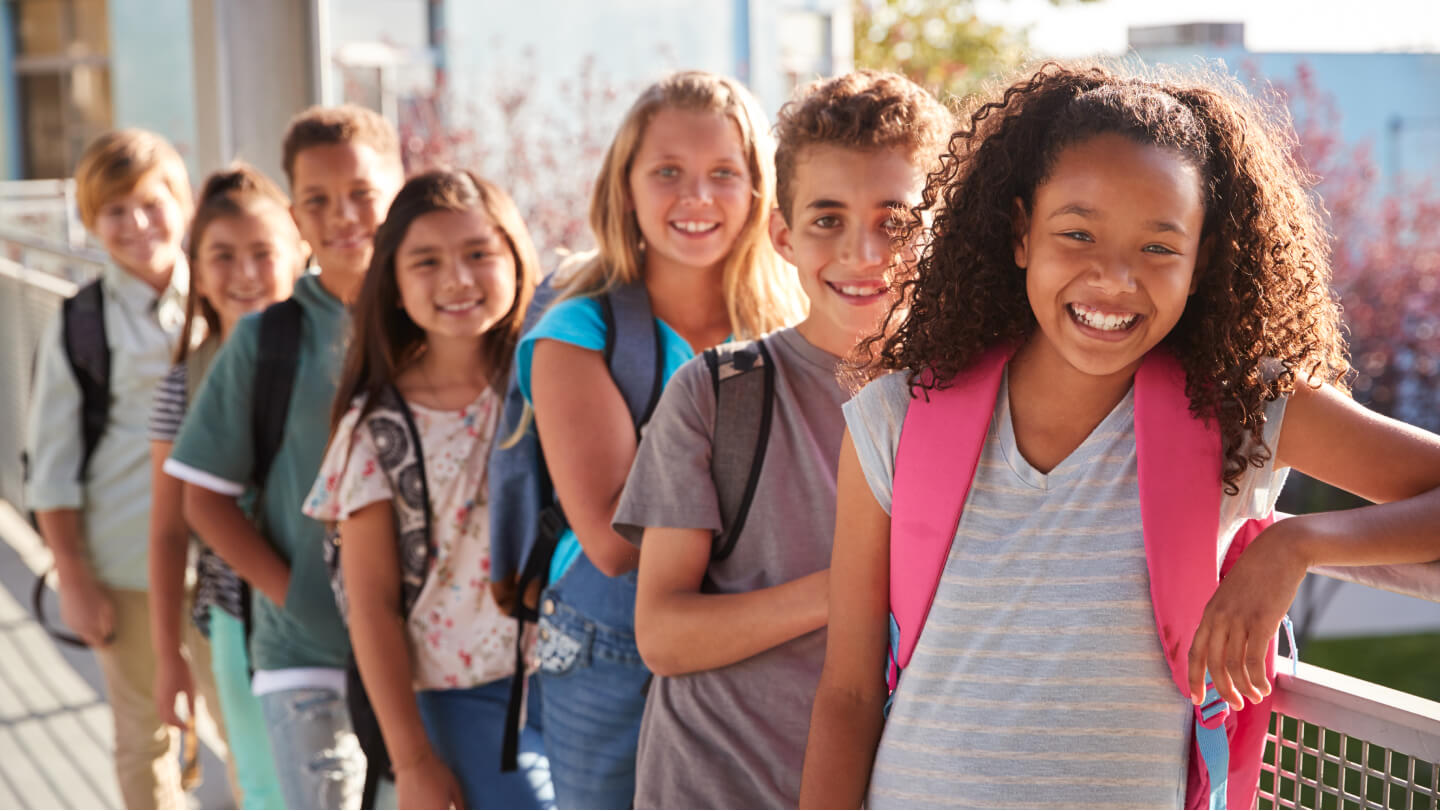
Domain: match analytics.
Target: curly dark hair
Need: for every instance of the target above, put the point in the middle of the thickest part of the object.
(1263, 315)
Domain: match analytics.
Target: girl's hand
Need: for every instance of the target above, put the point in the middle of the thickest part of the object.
(427, 783)
(172, 677)
(1242, 617)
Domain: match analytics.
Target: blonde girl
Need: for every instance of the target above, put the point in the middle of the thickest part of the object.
(681, 206)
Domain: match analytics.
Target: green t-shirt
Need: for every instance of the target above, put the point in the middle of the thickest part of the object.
(214, 451)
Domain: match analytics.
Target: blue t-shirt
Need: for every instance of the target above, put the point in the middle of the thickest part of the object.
(578, 322)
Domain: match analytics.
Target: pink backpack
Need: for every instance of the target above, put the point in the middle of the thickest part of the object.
(1179, 472)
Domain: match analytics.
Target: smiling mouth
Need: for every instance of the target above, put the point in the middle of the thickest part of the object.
(459, 308)
(859, 289)
(694, 227)
(349, 244)
(1102, 321)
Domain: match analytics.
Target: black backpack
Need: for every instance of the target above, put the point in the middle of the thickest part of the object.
(87, 349)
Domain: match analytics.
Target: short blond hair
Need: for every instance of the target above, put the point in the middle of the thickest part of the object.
(115, 163)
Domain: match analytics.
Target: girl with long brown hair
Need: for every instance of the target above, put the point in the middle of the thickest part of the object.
(245, 254)
(435, 327)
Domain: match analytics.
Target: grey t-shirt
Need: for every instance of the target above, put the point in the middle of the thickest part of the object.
(1038, 680)
(736, 737)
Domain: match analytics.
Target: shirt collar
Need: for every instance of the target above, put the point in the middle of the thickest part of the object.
(168, 306)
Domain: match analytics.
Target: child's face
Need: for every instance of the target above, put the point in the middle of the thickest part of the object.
(690, 185)
(341, 195)
(456, 274)
(246, 263)
(1110, 251)
(142, 230)
(847, 205)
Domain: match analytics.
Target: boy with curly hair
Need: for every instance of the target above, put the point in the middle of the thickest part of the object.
(731, 601)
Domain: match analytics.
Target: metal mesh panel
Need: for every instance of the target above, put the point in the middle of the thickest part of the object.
(1309, 766)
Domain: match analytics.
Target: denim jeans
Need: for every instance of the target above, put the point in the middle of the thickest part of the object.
(465, 729)
(593, 685)
(317, 757)
(244, 722)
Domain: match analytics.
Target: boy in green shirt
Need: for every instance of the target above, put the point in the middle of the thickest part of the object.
(344, 168)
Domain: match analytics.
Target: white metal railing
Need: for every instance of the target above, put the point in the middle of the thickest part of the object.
(44, 208)
(1340, 742)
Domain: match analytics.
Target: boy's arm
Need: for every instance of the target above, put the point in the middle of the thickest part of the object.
(1328, 436)
(680, 630)
(847, 717)
(219, 521)
(214, 456)
(53, 488)
(371, 569)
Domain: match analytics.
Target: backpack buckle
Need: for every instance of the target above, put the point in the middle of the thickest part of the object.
(1212, 711)
(551, 523)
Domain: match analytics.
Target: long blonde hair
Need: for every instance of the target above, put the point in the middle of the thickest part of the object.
(762, 294)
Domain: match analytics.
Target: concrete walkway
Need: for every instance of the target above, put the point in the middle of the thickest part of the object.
(55, 727)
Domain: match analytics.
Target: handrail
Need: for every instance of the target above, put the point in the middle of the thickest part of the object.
(1385, 717)
(49, 282)
(1421, 580)
(78, 254)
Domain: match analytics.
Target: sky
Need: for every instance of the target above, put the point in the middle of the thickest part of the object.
(1081, 29)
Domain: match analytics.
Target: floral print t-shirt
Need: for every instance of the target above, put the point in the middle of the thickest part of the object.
(459, 636)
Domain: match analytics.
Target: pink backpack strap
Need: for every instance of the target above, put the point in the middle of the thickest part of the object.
(1178, 459)
(940, 445)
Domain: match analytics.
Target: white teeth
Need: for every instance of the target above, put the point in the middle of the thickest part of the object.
(457, 308)
(692, 227)
(1106, 322)
(858, 289)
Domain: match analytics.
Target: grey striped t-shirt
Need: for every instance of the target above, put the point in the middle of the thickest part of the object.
(1039, 680)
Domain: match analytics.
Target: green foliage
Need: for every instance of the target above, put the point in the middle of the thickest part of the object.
(940, 44)
(1406, 662)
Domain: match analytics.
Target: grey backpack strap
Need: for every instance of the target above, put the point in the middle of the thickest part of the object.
(633, 349)
(744, 379)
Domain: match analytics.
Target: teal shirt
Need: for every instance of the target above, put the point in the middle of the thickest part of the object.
(578, 322)
(214, 451)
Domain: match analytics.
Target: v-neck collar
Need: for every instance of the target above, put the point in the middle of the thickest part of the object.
(1006, 435)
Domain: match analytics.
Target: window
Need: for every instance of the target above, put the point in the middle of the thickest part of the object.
(62, 69)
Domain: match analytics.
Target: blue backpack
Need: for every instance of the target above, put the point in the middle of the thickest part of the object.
(526, 521)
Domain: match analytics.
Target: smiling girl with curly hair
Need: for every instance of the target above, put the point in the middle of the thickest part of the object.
(1090, 226)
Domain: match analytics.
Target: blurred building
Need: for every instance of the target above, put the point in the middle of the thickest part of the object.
(1390, 100)
(221, 77)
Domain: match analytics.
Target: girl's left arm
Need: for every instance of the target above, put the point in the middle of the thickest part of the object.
(1330, 437)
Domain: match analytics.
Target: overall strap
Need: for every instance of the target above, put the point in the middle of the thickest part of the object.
(745, 406)
(87, 348)
(936, 458)
(277, 359)
(633, 350)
